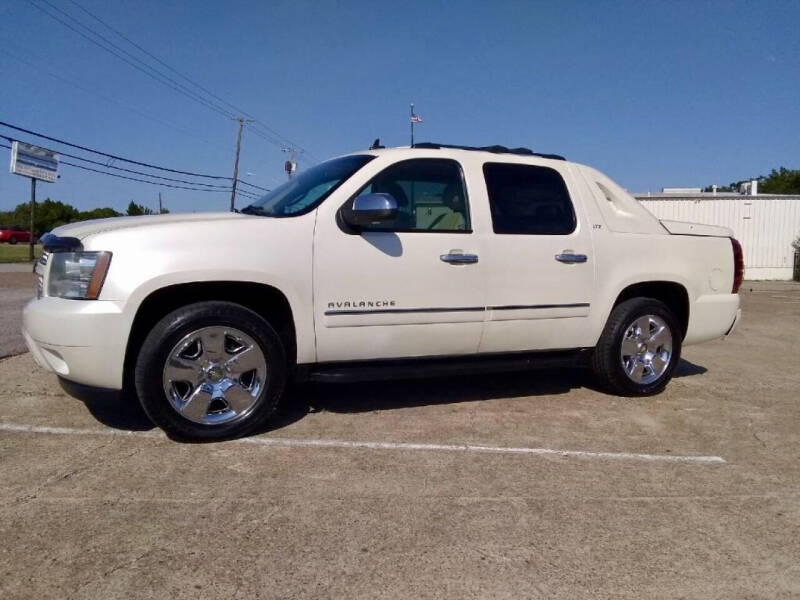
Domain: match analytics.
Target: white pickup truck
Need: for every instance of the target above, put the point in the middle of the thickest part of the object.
(390, 262)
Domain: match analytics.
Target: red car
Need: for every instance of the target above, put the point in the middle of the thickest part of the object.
(14, 234)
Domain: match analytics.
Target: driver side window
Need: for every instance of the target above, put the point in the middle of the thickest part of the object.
(430, 196)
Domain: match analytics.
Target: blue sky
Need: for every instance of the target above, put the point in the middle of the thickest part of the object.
(652, 93)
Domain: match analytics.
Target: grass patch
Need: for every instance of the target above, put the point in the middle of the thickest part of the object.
(17, 253)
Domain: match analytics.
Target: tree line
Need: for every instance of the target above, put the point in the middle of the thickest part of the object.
(779, 181)
(52, 213)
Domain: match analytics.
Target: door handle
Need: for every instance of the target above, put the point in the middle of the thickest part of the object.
(456, 257)
(569, 257)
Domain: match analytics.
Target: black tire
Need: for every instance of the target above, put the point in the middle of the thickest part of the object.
(606, 360)
(169, 331)
(12, 240)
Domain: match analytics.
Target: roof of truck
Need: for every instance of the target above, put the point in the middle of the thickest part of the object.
(494, 149)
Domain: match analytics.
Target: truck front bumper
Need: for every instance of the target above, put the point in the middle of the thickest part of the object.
(80, 340)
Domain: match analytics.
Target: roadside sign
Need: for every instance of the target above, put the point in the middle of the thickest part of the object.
(34, 162)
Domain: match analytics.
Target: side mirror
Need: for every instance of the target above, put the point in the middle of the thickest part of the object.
(372, 209)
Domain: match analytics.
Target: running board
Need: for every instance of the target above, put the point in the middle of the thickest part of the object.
(414, 368)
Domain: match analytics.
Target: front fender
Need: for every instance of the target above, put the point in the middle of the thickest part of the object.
(273, 252)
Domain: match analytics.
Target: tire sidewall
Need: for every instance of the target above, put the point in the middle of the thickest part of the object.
(169, 331)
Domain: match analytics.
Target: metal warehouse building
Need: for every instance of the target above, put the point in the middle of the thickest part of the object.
(765, 224)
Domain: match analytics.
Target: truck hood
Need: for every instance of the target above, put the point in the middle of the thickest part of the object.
(87, 228)
(686, 228)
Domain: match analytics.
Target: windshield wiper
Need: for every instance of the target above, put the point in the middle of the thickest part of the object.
(252, 210)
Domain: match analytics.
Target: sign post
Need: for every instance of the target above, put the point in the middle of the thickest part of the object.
(31, 240)
(36, 163)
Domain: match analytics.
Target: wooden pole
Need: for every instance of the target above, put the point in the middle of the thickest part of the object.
(236, 164)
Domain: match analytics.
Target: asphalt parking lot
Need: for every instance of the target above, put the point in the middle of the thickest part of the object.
(16, 288)
(524, 485)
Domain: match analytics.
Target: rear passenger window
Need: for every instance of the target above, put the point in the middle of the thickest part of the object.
(528, 200)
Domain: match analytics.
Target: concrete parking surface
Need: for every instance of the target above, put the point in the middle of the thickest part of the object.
(17, 286)
(379, 491)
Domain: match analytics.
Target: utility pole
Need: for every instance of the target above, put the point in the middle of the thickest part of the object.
(31, 240)
(159, 203)
(241, 121)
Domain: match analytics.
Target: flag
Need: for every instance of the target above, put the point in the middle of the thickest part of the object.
(416, 119)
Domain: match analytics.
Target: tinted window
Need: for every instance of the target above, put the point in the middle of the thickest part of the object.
(526, 199)
(306, 190)
(430, 195)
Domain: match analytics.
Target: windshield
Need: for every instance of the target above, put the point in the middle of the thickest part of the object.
(305, 191)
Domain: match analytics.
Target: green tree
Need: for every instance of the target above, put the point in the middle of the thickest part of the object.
(98, 213)
(49, 215)
(782, 181)
(135, 210)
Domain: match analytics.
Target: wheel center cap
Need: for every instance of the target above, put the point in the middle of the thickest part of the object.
(215, 373)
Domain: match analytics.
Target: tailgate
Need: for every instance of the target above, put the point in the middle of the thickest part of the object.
(685, 228)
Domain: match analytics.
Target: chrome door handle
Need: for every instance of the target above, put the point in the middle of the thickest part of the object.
(459, 258)
(567, 256)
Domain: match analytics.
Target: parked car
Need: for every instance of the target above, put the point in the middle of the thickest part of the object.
(14, 234)
(385, 263)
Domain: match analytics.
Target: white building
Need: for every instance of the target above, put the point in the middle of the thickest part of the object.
(765, 224)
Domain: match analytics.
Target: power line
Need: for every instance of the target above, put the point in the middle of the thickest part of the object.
(41, 69)
(194, 83)
(161, 78)
(253, 185)
(114, 156)
(109, 166)
(274, 141)
(273, 136)
(128, 160)
(248, 195)
(181, 187)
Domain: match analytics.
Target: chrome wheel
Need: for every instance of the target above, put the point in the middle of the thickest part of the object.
(646, 349)
(214, 375)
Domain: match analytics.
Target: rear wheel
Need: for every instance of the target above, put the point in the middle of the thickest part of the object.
(210, 370)
(12, 240)
(639, 349)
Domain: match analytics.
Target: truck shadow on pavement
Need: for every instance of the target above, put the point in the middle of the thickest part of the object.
(687, 369)
(120, 410)
(302, 399)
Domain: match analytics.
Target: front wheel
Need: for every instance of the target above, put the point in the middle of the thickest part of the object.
(639, 349)
(12, 240)
(210, 370)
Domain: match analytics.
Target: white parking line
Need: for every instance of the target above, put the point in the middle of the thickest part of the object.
(296, 443)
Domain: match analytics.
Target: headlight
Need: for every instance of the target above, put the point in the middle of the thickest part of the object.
(77, 275)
